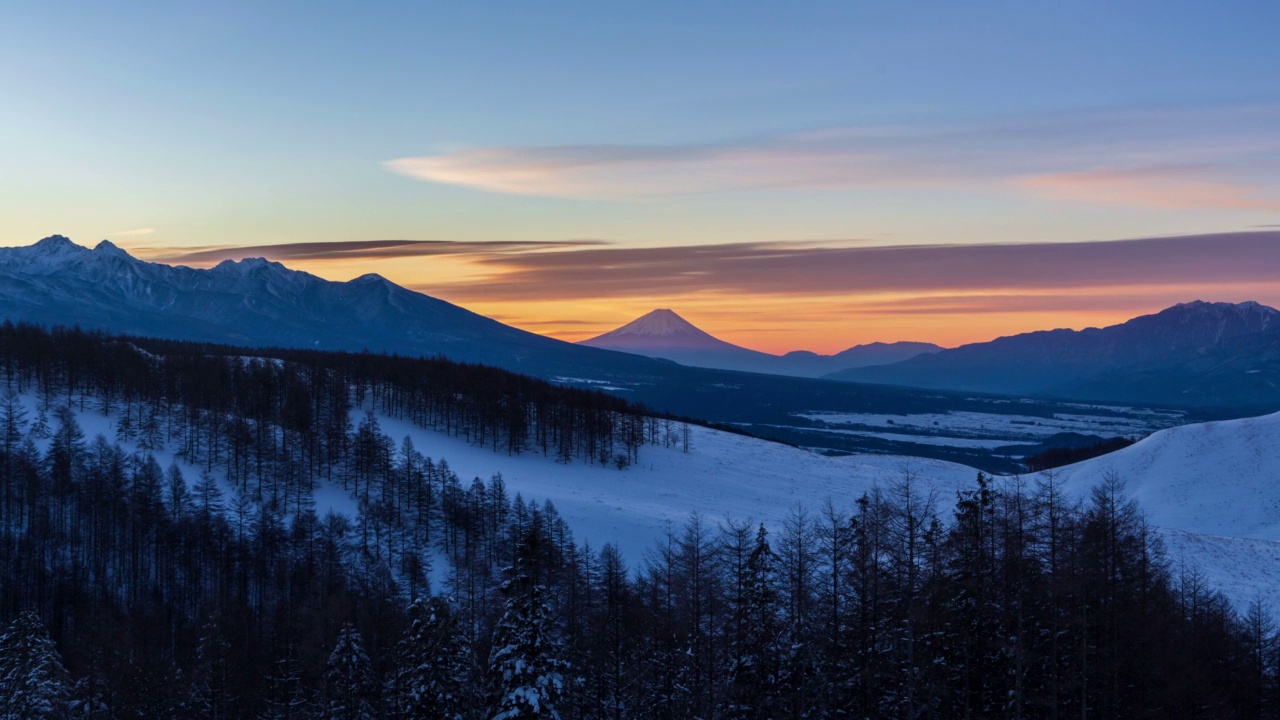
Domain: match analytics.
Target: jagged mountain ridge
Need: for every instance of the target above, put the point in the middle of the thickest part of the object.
(662, 333)
(1197, 353)
(256, 302)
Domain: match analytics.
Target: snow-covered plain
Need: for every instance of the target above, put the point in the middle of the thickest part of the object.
(955, 428)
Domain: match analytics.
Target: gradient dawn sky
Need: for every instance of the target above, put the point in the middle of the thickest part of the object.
(785, 175)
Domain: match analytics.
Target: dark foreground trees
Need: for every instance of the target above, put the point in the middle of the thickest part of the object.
(208, 587)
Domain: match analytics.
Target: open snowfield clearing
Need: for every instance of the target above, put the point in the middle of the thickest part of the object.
(1213, 489)
(722, 476)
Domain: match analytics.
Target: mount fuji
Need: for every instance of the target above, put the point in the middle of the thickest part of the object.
(664, 334)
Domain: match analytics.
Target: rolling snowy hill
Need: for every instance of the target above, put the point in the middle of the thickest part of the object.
(1214, 489)
(1210, 489)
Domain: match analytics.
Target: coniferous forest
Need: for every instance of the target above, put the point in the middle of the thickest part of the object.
(211, 588)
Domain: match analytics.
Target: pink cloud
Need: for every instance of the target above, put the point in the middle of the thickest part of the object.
(1174, 187)
(811, 269)
(1162, 158)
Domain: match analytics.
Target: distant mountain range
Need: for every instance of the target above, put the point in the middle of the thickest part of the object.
(1197, 353)
(255, 302)
(258, 303)
(664, 334)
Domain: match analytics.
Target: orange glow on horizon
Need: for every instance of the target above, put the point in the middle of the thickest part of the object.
(779, 323)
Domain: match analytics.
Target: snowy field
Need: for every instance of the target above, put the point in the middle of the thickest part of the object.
(1213, 489)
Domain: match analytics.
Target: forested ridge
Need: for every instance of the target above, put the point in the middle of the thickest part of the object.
(212, 589)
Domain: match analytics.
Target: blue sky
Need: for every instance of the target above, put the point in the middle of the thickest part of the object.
(658, 124)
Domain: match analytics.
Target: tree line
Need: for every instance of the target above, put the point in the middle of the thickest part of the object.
(211, 588)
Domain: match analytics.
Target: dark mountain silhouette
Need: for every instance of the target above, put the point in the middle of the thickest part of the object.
(1196, 353)
(255, 302)
(664, 334)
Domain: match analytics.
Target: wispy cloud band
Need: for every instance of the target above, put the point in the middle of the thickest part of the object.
(356, 250)
(1215, 157)
(780, 269)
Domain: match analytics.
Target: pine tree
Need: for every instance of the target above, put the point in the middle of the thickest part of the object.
(431, 664)
(288, 697)
(33, 682)
(210, 696)
(525, 668)
(755, 653)
(348, 678)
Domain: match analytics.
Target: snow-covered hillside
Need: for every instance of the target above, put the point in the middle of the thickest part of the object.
(1217, 478)
(723, 476)
(1213, 489)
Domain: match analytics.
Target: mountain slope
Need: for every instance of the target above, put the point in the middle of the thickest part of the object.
(664, 334)
(1193, 353)
(255, 302)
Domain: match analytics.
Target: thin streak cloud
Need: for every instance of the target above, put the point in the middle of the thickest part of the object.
(357, 250)
(1212, 149)
(134, 232)
(1170, 187)
(809, 269)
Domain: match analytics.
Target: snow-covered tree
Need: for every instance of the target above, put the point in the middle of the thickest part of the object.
(348, 678)
(33, 682)
(525, 667)
(431, 664)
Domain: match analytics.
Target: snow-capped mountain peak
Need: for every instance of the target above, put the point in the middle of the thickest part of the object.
(106, 247)
(658, 323)
(51, 252)
(54, 244)
(663, 334)
(661, 328)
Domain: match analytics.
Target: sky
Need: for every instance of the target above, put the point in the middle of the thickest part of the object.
(787, 176)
